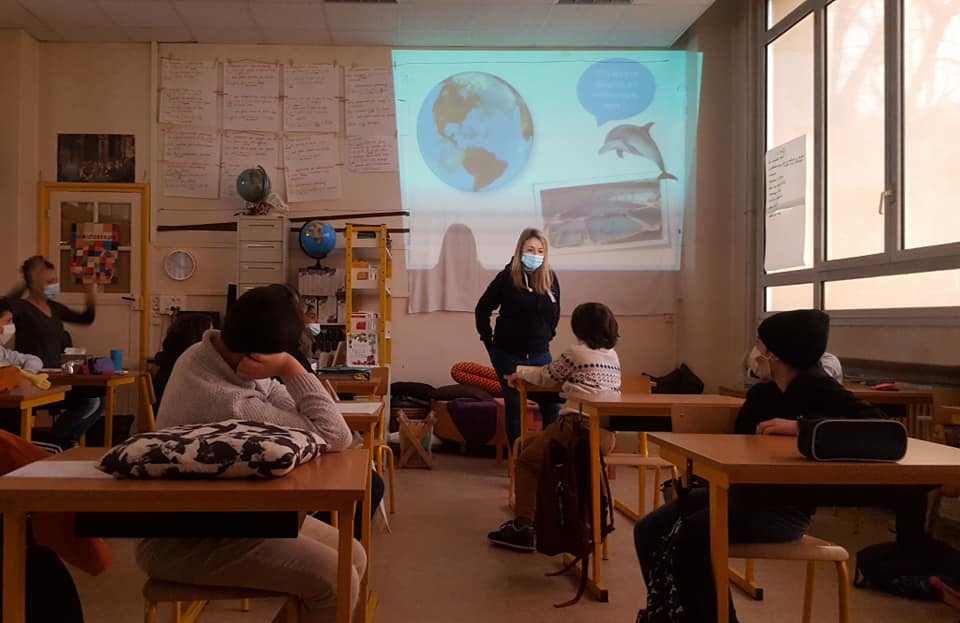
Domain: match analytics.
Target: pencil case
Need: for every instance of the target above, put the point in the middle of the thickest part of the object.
(852, 440)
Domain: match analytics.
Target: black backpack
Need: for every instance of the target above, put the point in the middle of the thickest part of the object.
(563, 521)
(905, 572)
(680, 381)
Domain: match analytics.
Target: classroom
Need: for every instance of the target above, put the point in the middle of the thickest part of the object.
(515, 310)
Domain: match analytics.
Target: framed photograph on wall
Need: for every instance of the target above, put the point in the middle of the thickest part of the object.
(96, 158)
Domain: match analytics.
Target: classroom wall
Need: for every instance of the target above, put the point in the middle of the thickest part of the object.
(18, 152)
(714, 317)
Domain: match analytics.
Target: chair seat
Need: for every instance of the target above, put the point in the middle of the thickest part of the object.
(806, 548)
(636, 460)
(162, 591)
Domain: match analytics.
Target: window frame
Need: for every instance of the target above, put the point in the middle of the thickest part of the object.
(894, 259)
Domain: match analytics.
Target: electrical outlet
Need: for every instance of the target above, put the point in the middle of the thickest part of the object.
(165, 304)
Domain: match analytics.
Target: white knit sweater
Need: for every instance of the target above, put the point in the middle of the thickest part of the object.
(204, 388)
(578, 369)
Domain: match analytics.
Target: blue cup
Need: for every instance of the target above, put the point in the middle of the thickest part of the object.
(116, 356)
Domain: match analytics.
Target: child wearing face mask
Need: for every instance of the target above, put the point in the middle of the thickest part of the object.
(30, 363)
(757, 372)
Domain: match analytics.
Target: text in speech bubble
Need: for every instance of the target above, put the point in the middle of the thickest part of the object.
(616, 88)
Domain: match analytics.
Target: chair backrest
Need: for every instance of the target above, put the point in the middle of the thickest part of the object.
(327, 385)
(946, 396)
(146, 391)
(381, 376)
(640, 384)
(714, 420)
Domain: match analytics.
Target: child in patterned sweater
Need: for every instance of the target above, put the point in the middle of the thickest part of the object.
(589, 366)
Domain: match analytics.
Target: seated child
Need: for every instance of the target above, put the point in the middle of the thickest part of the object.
(30, 363)
(589, 366)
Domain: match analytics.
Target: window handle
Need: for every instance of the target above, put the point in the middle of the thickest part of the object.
(885, 196)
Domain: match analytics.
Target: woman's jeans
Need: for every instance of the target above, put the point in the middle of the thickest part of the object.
(506, 363)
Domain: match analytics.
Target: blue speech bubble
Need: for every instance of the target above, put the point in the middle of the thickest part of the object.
(616, 88)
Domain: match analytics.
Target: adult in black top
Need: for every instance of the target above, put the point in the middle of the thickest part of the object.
(527, 293)
(790, 344)
(39, 321)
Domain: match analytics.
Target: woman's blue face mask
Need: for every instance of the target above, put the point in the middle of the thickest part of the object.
(531, 261)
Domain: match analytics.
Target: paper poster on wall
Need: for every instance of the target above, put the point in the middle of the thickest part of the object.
(251, 79)
(311, 81)
(311, 114)
(188, 94)
(244, 150)
(94, 253)
(191, 163)
(368, 83)
(312, 167)
(372, 154)
(259, 113)
(371, 118)
(785, 205)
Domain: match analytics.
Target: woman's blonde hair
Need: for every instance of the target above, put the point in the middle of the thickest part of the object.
(540, 280)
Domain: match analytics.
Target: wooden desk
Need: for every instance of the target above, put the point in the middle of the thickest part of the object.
(363, 417)
(109, 383)
(25, 399)
(595, 406)
(726, 460)
(918, 402)
(332, 482)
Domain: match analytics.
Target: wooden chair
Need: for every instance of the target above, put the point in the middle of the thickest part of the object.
(156, 592)
(524, 389)
(149, 397)
(720, 420)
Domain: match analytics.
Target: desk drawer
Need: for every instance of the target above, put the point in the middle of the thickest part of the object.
(251, 251)
(267, 229)
(251, 272)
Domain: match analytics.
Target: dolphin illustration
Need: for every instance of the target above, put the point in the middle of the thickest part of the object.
(636, 140)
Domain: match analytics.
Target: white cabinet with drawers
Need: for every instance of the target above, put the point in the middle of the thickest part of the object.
(261, 251)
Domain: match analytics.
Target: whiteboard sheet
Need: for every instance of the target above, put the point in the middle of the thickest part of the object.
(785, 206)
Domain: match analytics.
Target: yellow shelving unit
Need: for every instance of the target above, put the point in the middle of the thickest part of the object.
(369, 243)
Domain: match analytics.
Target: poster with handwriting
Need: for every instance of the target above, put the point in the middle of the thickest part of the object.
(312, 167)
(188, 93)
(368, 83)
(311, 81)
(245, 150)
(786, 205)
(371, 118)
(190, 179)
(311, 114)
(251, 112)
(372, 154)
(181, 145)
(251, 79)
(191, 160)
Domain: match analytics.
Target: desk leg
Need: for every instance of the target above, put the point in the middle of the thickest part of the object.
(595, 480)
(26, 422)
(108, 408)
(366, 537)
(719, 549)
(14, 567)
(344, 564)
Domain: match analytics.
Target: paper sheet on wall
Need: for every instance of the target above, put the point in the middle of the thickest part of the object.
(244, 150)
(372, 154)
(368, 83)
(371, 118)
(785, 206)
(312, 168)
(191, 160)
(311, 81)
(188, 93)
(251, 79)
(260, 113)
(311, 114)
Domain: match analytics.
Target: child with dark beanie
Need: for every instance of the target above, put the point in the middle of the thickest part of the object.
(791, 344)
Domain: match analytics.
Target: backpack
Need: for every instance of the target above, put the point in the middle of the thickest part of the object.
(563, 520)
(904, 572)
(680, 381)
(663, 598)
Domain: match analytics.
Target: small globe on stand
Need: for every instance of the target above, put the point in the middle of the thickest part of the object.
(317, 239)
(253, 186)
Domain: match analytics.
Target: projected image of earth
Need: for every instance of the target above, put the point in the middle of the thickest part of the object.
(475, 132)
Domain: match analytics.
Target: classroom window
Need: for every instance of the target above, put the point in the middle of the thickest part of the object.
(934, 289)
(854, 128)
(931, 121)
(876, 93)
(785, 298)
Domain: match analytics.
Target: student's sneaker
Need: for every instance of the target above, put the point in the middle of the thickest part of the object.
(520, 538)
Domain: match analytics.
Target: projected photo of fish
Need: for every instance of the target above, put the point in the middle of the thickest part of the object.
(613, 215)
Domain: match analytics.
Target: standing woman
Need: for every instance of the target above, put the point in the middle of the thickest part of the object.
(39, 320)
(528, 295)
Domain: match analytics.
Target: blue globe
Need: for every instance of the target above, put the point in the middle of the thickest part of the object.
(317, 239)
(474, 131)
(253, 185)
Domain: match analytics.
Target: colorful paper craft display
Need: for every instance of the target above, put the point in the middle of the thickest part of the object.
(95, 253)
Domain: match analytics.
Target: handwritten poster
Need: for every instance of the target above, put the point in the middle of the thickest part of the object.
(785, 207)
(251, 112)
(191, 160)
(95, 249)
(368, 83)
(245, 150)
(372, 154)
(311, 114)
(188, 93)
(312, 167)
(251, 79)
(311, 81)
(371, 118)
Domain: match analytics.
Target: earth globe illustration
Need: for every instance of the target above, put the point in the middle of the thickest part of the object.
(253, 185)
(317, 239)
(475, 132)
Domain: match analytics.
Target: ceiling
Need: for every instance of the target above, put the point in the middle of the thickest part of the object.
(460, 23)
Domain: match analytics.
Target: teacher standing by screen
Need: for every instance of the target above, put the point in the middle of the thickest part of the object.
(528, 295)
